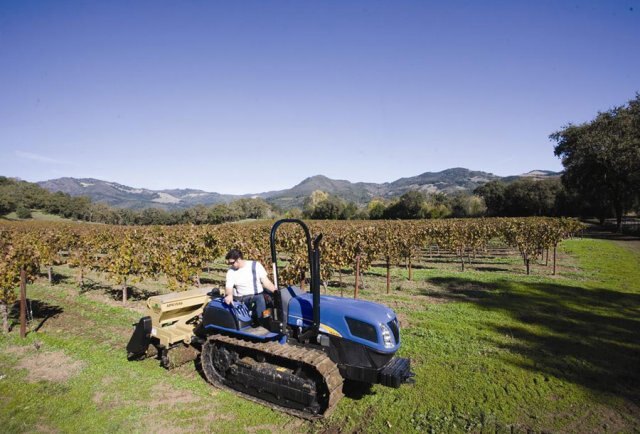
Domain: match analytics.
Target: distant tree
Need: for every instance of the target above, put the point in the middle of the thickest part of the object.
(126, 216)
(409, 206)
(310, 202)
(293, 213)
(7, 204)
(79, 208)
(376, 209)
(102, 213)
(349, 211)
(602, 157)
(476, 206)
(467, 205)
(221, 213)
(527, 197)
(331, 208)
(153, 216)
(23, 212)
(493, 194)
(56, 203)
(253, 208)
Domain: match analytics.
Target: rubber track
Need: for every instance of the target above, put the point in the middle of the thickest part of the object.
(315, 359)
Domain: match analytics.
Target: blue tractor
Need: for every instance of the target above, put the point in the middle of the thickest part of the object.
(297, 357)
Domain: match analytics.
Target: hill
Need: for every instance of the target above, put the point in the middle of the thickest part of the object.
(122, 196)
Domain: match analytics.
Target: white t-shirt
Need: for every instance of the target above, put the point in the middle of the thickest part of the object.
(241, 280)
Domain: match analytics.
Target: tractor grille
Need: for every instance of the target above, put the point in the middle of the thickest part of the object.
(393, 325)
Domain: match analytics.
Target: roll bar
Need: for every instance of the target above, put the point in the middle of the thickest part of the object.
(313, 253)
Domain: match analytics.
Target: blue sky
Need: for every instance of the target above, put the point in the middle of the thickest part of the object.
(250, 96)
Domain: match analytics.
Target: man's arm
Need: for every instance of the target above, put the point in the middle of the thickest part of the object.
(268, 284)
(228, 289)
(264, 279)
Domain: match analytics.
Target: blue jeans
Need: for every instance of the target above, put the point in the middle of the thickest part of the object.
(255, 304)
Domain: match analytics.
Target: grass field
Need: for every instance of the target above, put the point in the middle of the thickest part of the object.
(38, 216)
(494, 350)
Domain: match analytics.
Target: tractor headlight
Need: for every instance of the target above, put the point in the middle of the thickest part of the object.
(386, 336)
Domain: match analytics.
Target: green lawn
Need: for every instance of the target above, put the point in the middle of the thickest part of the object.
(494, 350)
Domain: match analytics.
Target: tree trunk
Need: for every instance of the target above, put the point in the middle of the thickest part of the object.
(124, 291)
(410, 270)
(461, 256)
(340, 280)
(546, 261)
(302, 280)
(198, 280)
(23, 303)
(355, 291)
(526, 262)
(618, 219)
(388, 274)
(4, 312)
(50, 270)
(554, 259)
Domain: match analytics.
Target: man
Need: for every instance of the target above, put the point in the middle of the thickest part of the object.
(246, 281)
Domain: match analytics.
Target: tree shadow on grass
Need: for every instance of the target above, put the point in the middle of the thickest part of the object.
(115, 292)
(589, 337)
(92, 285)
(608, 233)
(56, 278)
(491, 269)
(133, 293)
(38, 311)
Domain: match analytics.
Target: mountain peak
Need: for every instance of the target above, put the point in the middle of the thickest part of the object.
(446, 181)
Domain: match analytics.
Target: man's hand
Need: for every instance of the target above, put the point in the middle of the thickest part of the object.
(228, 298)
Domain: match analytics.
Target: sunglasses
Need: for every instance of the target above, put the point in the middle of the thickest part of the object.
(232, 262)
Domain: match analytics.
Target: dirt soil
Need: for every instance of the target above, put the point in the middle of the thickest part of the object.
(164, 394)
(41, 365)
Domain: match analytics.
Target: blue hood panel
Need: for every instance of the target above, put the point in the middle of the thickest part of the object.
(333, 311)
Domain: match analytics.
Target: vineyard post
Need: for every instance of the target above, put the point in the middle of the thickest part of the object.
(355, 291)
(554, 258)
(388, 273)
(23, 303)
(409, 267)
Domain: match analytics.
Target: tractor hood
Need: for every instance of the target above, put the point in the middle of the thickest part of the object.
(364, 322)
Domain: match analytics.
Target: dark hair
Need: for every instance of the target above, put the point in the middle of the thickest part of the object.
(234, 254)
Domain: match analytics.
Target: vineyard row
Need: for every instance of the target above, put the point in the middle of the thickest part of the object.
(180, 253)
